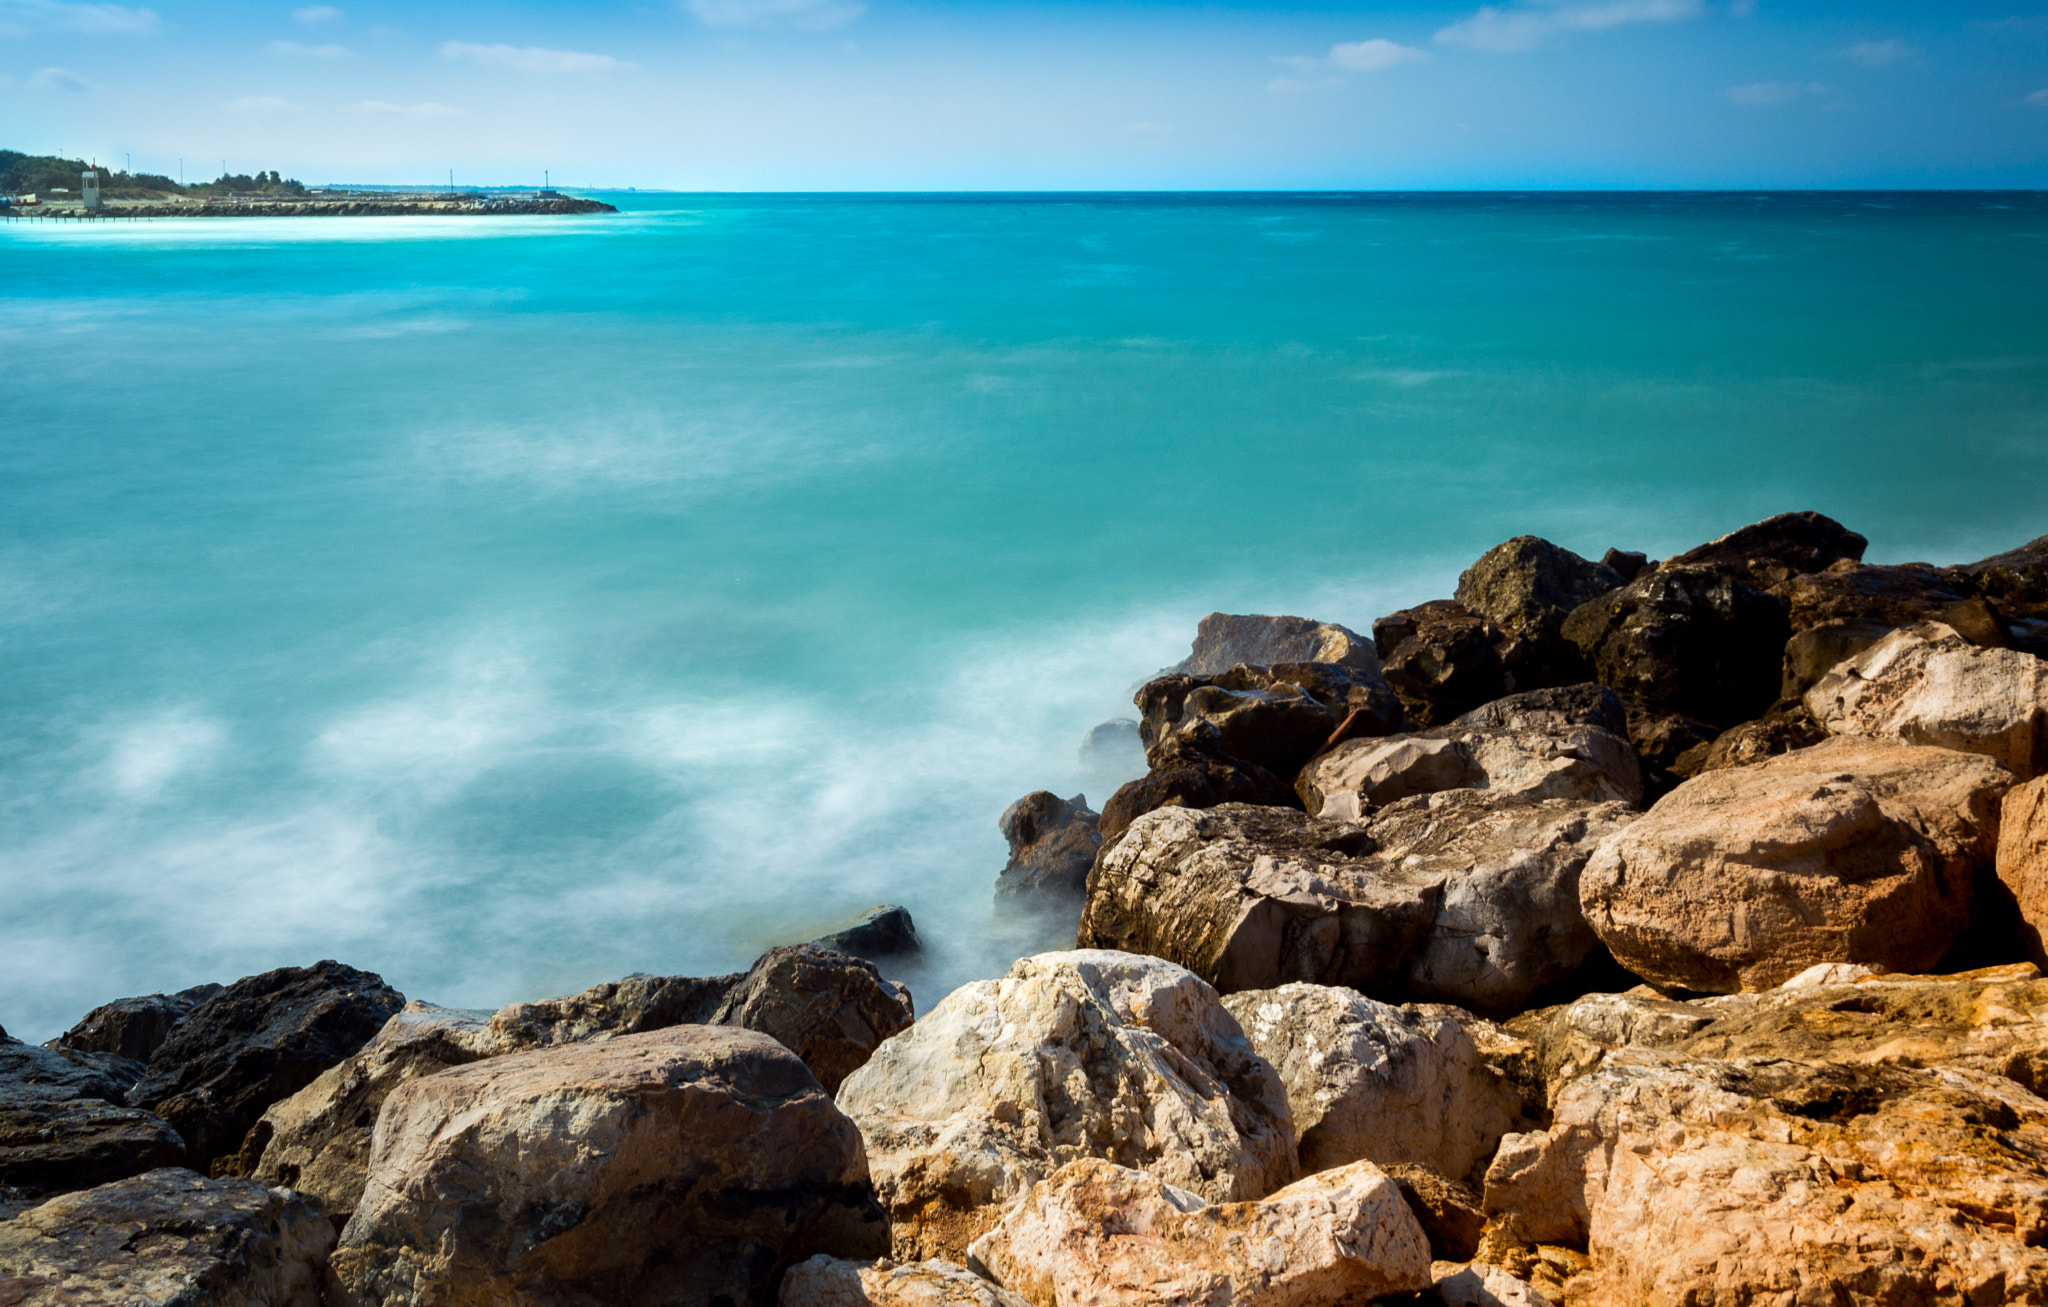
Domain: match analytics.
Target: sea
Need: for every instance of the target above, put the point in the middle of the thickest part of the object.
(509, 604)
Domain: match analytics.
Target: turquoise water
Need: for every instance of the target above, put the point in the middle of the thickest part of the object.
(506, 605)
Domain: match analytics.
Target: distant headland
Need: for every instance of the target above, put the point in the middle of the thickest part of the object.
(48, 186)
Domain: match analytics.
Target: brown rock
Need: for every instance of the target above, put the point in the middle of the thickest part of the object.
(1785, 728)
(53, 1139)
(1182, 776)
(1553, 709)
(1052, 845)
(1444, 660)
(1104, 1235)
(1686, 639)
(2016, 582)
(835, 1282)
(1769, 553)
(1585, 763)
(831, 1010)
(1850, 851)
(2023, 861)
(693, 1164)
(134, 1028)
(1528, 586)
(1222, 641)
(169, 1238)
(1449, 1211)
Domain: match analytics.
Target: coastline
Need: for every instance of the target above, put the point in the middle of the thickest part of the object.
(345, 208)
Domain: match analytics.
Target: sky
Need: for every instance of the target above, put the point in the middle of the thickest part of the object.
(1007, 95)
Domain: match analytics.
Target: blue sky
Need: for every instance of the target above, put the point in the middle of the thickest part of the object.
(905, 94)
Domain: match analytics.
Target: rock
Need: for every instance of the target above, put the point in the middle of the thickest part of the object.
(2017, 583)
(1183, 777)
(1701, 1180)
(1278, 728)
(1108, 1236)
(1785, 728)
(1771, 552)
(261, 1039)
(1890, 597)
(1553, 709)
(1814, 652)
(1069, 1055)
(1477, 1284)
(831, 1010)
(1222, 641)
(1358, 701)
(1528, 586)
(52, 1139)
(1052, 845)
(1449, 1211)
(691, 1164)
(1685, 639)
(167, 1239)
(134, 1028)
(632, 1006)
(58, 1070)
(1630, 564)
(1463, 895)
(1113, 748)
(834, 1282)
(1850, 851)
(884, 931)
(1573, 762)
(318, 1140)
(2023, 861)
(1370, 1082)
(1928, 685)
(1443, 659)
(1660, 739)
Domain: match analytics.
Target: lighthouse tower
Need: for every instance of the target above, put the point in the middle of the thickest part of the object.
(89, 181)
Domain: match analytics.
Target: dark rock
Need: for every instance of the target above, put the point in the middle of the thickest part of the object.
(58, 1069)
(1769, 553)
(830, 1009)
(1223, 640)
(1450, 1214)
(1660, 739)
(1528, 586)
(638, 1003)
(1444, 660)
(133, 1028)
(169, 1238)
(1586, 704)
(885, 931)
(1113, 746)
(1786, 727)
(1891, 597)
(1342, 691)
(1815, 651)
(2016, 582)
(1688, 640)
(1185, 777)
(52, 1140)
(261, 1039)
(1278, 729)
(1628, 564)
(1052, 845)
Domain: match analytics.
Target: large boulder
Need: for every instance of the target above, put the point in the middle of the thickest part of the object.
(1069, 1055)
(1358, 701)
(169, 1238)
(1783, 729)
(1552, 709)
(1367, 1081)
(1696, 1180)
(692, 1164)
(1052, 845)
(259, 1040)
(1927, 685)
(1690, 640)
(1103, 1235)
(2016, 581)
(1463, 895)
(830, 1009)
(1851, 596)
(1528, 586)
(1771, 552)
(2023, 861)
(883, 931)
(1850, 851)
(1443, 659)
(130, 1030)
(1573, 762)
(836, 1282)
(1224, 640)
(53, 1138)
(1183, 775)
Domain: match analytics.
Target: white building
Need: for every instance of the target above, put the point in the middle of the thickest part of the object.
(90, 180)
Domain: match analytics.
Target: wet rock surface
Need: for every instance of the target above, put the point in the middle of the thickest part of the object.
(883, 931)
(1052, 845)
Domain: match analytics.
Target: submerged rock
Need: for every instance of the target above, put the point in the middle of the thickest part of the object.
(1222, 641)
(1849, 851)
(1052, 845)
(1102, 1234)
(883, 931)
(169, 1238)
(691, 1164)
(1069, 1055)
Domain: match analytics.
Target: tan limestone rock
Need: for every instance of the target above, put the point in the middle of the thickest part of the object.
(1477, 1284)
(1926, 684)
(1571, 762)
(835, 1282)
(1853, 850)
(1102, 1235)
(2023, 861)
(679, 1165)
(1083, 1054)
(1367, 1081)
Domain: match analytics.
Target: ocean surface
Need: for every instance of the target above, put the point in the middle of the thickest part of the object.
(508, 604)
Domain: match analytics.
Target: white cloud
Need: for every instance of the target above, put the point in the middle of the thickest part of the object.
(22, 17)
(261, 104)
(801, 15)
(1763, 94)
(1528, 28)
(2039, 99)
(148, 755)
(58, 79)
(531, 59)
(329, 51)
(424, 109)
(1876, 54)
(1373, 55)
(314, 15)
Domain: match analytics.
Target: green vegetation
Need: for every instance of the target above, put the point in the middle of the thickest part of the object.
(41, 174)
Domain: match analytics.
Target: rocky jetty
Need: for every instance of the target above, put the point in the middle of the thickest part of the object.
(1612, 932)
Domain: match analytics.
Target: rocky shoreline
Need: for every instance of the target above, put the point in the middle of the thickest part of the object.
(338, 208)
(1613, 932)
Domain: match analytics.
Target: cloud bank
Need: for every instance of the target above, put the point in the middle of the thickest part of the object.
(1531, 28)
